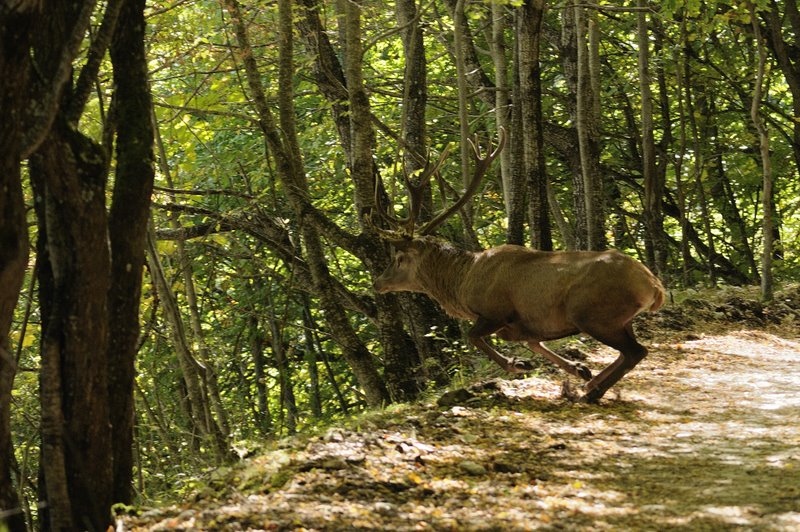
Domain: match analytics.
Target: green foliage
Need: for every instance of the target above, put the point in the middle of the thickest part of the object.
(216, 160)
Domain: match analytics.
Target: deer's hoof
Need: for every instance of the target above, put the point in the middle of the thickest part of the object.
(583, 372)
(519, 365)
(591, 397)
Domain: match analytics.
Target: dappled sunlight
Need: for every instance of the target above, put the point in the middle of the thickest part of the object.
(761, 371)
(750, 344)
(703, 435)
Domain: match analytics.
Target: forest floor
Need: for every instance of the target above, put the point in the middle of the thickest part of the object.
(703, 435)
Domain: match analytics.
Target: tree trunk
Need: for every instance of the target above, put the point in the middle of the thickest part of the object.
(768, 220)
(653, 188)
(569, 61)
(415, 91)
(586, 125)
(68, 172)
(199, 404)
(515, 234)
(14, 69)
(327, 68)
(128, 218)
(420, 311)
(311, 327)
(502, 100)
(312, 360)
(783, 50)
(401, 359)
(680, 187)
(479, 83)
(695, 110)
(256, 341)
(459, 51)
(279, 351)
(529, 36)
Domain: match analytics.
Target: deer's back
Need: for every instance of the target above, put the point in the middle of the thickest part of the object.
(552, 290)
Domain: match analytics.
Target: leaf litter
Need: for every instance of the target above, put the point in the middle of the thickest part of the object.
(703, 435)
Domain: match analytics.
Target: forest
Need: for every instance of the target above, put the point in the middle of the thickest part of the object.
(195, 197)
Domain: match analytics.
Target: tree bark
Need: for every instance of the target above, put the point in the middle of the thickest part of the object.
(130, 211)
(421, 314)
(476, 76)
(401, 358)
(502, 97)
(14, 70)
(680, 188)
(256, 342)
(768, 220)
(531, 13)
(415, 93)
(653, 187)
(327, 69)
(515, 234)
(459, 52)
(68, 172)
(279, 351)
(587, 127)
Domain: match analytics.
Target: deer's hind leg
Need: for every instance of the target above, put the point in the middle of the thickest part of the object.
(631, 353)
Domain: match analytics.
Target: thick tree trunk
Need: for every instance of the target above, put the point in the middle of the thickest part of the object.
(401, 358)
(530, 98)
(127, 230)
(69, 173)
(14, 64)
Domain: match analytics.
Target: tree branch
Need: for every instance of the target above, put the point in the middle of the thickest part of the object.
(43, 120)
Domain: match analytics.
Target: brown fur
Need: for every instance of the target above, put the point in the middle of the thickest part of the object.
(527, 295)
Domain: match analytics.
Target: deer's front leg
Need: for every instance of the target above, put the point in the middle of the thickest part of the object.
(484, 327)
(573, 368)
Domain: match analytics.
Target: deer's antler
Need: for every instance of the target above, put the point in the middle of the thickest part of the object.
(404, 227)
(482, 164)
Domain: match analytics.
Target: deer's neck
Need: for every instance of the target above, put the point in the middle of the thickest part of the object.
(441, 275)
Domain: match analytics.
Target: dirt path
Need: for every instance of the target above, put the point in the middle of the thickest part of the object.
(705, 436)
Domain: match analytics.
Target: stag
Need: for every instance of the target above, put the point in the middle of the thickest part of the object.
(521, 294)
